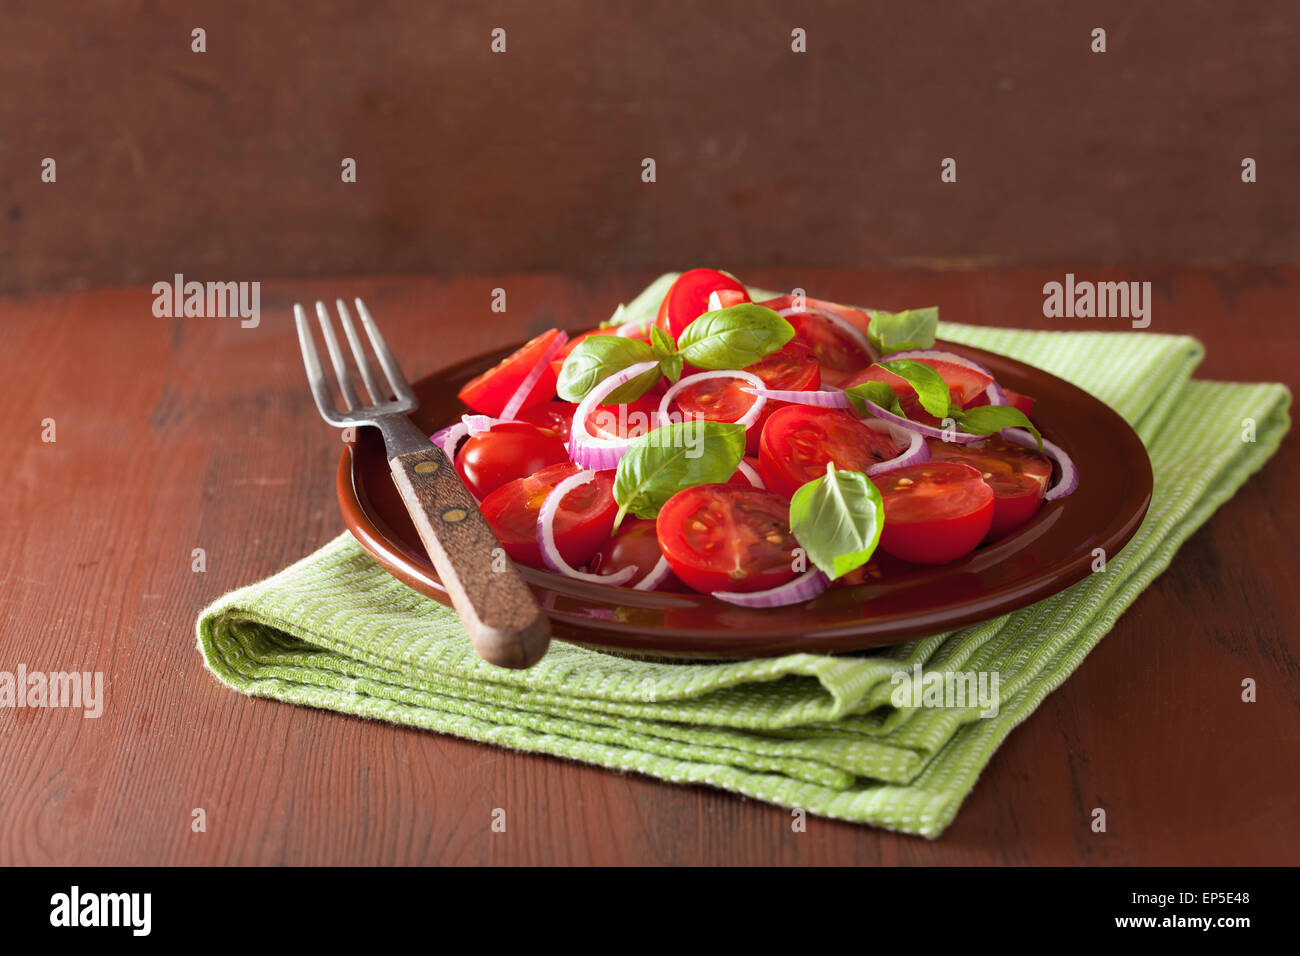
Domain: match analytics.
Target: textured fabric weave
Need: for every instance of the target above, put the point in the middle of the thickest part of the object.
(809, 731)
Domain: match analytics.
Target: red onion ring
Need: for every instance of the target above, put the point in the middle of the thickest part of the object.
(517, 399)
(657, 576)
(960, 438)
(1069, 474)
(754, 478)
(448, 438)
(748, 419)
(601, 453)
(914, 452)
(546, 536)
(802, 588)
(634, 330)
(994, 391)
(824, 398)
(848, 327)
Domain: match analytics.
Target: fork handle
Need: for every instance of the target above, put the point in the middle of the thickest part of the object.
(505, 623)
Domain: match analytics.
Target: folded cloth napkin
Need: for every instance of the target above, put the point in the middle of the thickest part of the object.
(806, 731)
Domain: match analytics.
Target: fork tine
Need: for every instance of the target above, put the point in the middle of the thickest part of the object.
(315, 374)
(350, 400)
(359, 353)
(401, 388)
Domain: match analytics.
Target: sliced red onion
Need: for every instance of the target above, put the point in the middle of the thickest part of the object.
(994, 391)
(635, 330)
(601, 453)
(848, 327)
(915, 450)
(747, 419)
(803, 588)
(657, 576)
(1068, 479)
(448, 438)
(546, 535)
(746, 469)
(477, 424)
(715, 302)
(960, 438)
(517, 399)
(825, 398)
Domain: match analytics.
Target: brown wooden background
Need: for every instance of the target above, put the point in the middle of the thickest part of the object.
(225, 165)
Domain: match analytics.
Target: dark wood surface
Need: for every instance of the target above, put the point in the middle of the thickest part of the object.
(174, 434)
(226, 165)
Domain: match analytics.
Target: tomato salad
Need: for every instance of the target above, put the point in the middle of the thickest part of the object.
(756, 451)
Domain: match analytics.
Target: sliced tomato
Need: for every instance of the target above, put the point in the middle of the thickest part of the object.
(583, 522)
(623, 421)
(727, 538)
(838, 353)
(490, 392)
(635, 543)
(965, 385)
(714, 400)
(554, 417)
(855, 317)
(935, 511)
(688, 298)
(1018, 477)
(793, 369)
(505, 452)
(799, 440)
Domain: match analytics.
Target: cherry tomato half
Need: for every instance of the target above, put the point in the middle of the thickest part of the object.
(623, 421)
(634, 543)
(839, 354)
(935, 511)
(726, 538)
(505, 452)
(490, 391)
(583, 522)
(799, 440)
(1018, 477)
(793, 369)
(554, 417)
(688, 298)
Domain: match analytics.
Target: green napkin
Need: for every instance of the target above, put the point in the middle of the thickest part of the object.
(804, 731)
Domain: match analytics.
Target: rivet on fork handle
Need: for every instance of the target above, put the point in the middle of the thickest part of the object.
(505, 624)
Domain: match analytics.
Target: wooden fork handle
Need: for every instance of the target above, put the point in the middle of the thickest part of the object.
(505, 624)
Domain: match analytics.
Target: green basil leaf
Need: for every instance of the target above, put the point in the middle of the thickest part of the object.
(735, 337)
(837, 520)
(900, 331)
(666, 460)
(670, 360)
(595, 359)
(877, 392)
(931, 390)
(990, 419)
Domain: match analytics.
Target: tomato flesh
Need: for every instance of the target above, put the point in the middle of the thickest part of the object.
(623, 421)
(554, 417)
(489, 392)
(792, 369)
(584, 520)
(507, 451)
(726, 538)
(799, 440)
(688, 298)
(635, 544)
(1018, 477)
(935, 511)
(838, 353)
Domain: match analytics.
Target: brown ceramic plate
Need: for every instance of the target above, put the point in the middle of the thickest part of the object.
(1051, 552)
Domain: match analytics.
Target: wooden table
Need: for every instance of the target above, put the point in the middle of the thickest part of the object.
(175, 434)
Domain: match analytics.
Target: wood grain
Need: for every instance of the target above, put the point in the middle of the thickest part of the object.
(226, 165)
(175, 434)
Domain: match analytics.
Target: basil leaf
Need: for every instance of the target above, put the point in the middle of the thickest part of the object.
(670, 360)
(735, 337)
(665, 460)
(877, 392)
(990, 419)
(899, 331)
(931, 390)
(595, 359)
(837, 519)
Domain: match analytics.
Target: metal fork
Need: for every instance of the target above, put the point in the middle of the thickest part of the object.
(505, 624)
